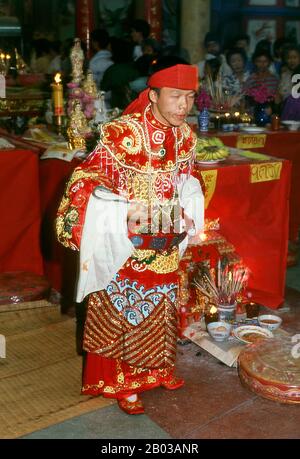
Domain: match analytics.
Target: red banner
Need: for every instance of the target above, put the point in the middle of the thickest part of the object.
(84, 21)
(153, 13)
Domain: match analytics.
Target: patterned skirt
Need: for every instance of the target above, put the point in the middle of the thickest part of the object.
(131, 327)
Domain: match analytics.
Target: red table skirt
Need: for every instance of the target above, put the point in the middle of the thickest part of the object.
(20, 212)
(254, 217)
(285, 145)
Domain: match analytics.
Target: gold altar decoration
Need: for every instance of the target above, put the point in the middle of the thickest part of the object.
(78, 127)
(4, 62)
(89, 86)
(22, 104)
(21, 66)
(77, 59)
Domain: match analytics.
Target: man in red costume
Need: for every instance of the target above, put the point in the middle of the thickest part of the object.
(128, 209)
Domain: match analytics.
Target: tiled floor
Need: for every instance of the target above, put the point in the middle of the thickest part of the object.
(212, 404)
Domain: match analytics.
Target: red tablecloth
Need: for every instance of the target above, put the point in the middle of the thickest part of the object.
(20, 212)
(281, 144)
(59, 263)
(253, 217)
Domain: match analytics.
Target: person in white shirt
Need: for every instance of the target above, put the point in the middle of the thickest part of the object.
(140, 30)
(102, 58)
(213, 50)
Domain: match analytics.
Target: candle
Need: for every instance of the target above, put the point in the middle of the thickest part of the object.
(211, 315)
(252, 310)
(58, 100)
(236, 117)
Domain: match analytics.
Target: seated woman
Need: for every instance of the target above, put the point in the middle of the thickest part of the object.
(262, 75)
(291, 62)
(291, 105)
(233, 84)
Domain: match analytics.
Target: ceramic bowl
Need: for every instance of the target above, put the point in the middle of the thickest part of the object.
(291, 125)
(269, 321)
(219, 331)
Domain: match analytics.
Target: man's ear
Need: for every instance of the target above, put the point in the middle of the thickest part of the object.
(153, 96)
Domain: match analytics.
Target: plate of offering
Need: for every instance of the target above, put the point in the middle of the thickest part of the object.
(213, 161)
(291, 124)
(210, 150)
(253, 129)
(251, 334)
(269, 321)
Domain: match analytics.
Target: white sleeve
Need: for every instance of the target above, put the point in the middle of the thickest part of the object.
(105, 245)
(191, 198)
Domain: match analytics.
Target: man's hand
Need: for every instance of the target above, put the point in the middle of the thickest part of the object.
(137, 214)
(189, 223)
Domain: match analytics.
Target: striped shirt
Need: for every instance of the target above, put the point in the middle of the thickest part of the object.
(270, 81)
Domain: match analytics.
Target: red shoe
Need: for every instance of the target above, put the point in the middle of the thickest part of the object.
(172, 383)
(131, 407)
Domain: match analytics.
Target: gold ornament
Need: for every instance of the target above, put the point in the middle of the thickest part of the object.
(89, 85)
(78, 128)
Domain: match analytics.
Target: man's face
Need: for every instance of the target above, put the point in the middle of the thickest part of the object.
(171, 106)
(213, 47)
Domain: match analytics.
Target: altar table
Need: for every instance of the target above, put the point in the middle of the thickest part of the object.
(250, 197)
(281, 144)
(20, 212)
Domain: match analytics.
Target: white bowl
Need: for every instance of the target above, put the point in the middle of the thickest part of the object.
(291, 124)
(219, 331)
(269, 321)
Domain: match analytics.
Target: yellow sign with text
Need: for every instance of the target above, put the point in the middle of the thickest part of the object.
(210, 181)
(246, 142)
(264, 172)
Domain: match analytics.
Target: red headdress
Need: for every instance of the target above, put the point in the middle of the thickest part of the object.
(180, 76)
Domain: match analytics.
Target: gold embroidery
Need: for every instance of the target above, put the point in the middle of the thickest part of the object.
(210, 181)
(162, 263)
(150, 344)
(131, 124)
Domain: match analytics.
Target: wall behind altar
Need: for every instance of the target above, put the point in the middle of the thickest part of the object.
(56, 19)
(261, 19)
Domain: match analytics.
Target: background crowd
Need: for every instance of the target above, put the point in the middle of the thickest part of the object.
(231, 76)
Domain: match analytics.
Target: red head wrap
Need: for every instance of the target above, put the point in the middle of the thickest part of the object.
(180, 76)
